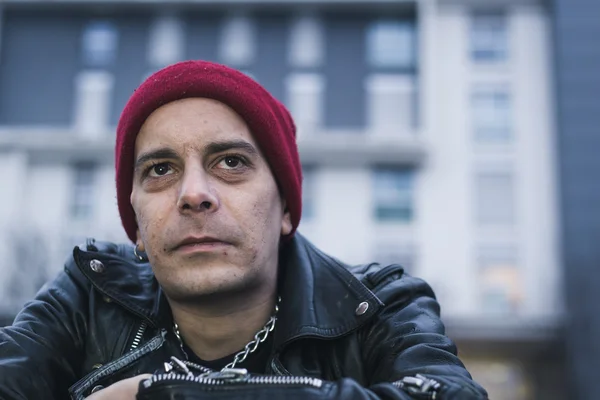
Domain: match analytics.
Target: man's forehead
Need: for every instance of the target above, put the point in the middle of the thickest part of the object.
(199, 107)
(197, 123)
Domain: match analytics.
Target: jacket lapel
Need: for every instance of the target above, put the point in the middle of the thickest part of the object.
(320, 296)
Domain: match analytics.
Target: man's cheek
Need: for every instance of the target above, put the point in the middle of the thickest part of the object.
(148, 232)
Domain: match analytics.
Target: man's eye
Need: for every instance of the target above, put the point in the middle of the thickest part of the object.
(231, 162)
(161, 169)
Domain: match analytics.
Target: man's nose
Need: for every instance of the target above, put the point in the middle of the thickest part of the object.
(195, 194)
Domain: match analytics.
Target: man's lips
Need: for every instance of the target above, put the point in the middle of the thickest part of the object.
(202, 243)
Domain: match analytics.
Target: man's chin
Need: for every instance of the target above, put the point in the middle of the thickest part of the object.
(207, 282)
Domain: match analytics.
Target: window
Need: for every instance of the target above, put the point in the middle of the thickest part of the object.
(238, 42)
(393, 194)
(83, 191)
(495, 198)
(166, 42)
(99, 44)
(306, 43)
(489, 37)
(391, 44)
(500, 280)
(308, 193)
(492, 114)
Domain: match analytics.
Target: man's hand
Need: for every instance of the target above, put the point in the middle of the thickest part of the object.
(122, 390)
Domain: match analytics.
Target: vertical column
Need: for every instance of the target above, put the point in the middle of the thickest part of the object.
(305, 100)
(92, 103)
(535, 159)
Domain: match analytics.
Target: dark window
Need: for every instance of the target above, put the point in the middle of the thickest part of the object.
(99, 41)
(491, 108)
(40, 60)
(82, 201)
(393, 194)
(392, 44)
(270, 66)
(489, 37)
(132, 60)
(345, 71)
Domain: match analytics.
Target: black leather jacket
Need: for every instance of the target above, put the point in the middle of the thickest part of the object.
(104, 319)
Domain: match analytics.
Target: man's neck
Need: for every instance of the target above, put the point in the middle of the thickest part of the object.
(213, 332)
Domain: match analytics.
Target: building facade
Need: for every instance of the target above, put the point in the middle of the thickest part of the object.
(426, 132)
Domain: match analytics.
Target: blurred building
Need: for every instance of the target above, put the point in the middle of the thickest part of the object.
(426, 130)
(578, 109)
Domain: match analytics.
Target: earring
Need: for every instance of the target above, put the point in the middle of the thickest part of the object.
(135, 252)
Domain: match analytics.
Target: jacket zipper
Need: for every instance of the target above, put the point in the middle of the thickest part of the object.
(255, 380)
(87, 382)
(181, 371)
(138, 336)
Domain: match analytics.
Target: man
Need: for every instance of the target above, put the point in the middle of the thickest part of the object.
(219, 290)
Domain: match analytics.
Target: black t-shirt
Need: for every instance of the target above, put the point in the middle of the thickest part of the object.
(255, 362)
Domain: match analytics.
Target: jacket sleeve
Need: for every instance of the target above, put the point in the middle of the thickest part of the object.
(42, 350)
(408, 338)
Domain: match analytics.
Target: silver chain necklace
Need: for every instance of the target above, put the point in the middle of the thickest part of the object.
(252, 345)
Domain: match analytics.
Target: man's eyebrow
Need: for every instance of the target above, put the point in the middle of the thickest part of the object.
(219, 147)
(157, 154)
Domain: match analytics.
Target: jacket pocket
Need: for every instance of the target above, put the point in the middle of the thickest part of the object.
(84, 386)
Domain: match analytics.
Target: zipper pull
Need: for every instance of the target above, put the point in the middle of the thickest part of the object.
(168, 366)
(419, 386)
(180, 365)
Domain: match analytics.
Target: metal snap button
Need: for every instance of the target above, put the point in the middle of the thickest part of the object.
(97, 266)
(107, 299)
(96, 366)
(97, 388)
(362, 308)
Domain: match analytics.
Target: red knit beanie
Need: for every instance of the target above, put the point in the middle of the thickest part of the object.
(269, 121)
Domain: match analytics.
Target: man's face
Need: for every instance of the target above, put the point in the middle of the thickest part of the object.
(208, 209)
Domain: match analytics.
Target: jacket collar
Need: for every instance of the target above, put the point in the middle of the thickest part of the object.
(320, 296)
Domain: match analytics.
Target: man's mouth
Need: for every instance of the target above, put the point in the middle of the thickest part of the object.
(200, 244)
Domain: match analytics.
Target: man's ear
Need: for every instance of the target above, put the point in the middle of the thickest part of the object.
(286, 221)
(138, 242)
